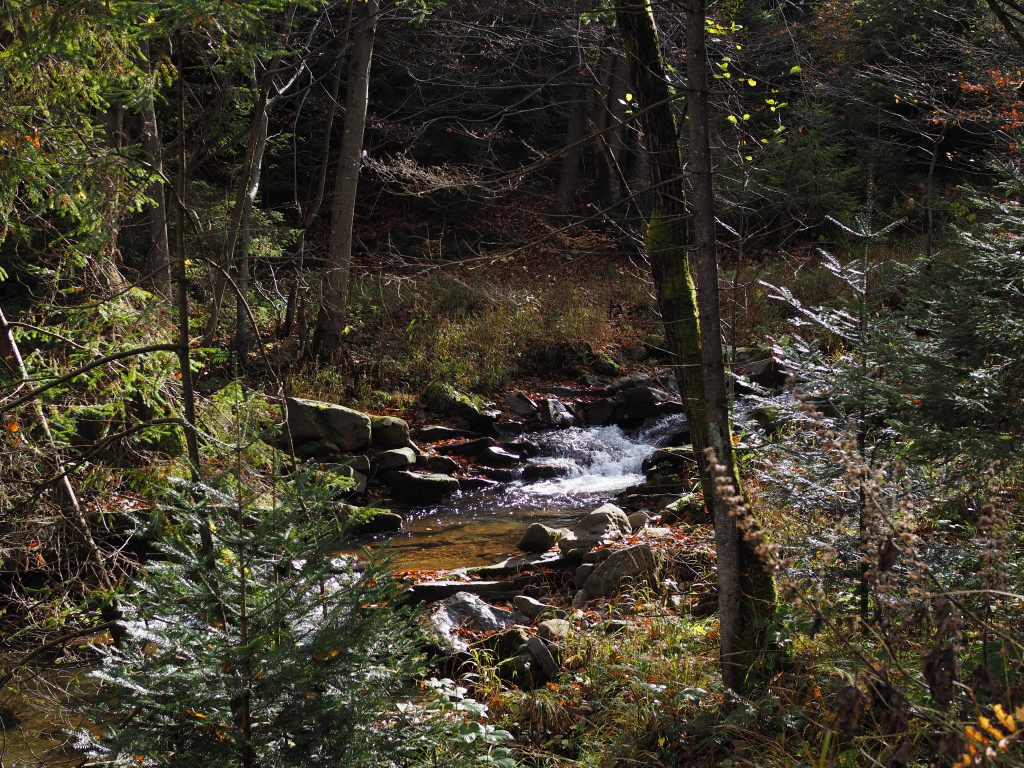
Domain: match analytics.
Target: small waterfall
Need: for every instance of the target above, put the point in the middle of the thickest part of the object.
(599, 459)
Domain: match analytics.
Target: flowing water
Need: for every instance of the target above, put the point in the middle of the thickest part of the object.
(482, 527)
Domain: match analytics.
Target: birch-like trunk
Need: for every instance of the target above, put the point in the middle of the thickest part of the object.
(330, 324)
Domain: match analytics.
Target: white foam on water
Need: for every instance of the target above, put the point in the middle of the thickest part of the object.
(598, 459)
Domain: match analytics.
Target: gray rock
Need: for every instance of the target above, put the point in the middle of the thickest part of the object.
(637, 354)
(605, 523)
(606, 366)
(769, 372)
(615, 626)
(525, 447)
(642, 402)
(521, 404)
(676, 457)
(434, 433)
(389, 432)
(448, 401)
(473, 447)
(476, 483)
(555, 630)
(423, 488)
(357, 477)
(539, 649)
(582, 574)
(396, 458)
(367, 520)
(360, 464)
(312, 420)
(503, 475)
(443, 464)
(602, 521)
(637, 379)
(534, 472)
(688, 508)
(498, 458)
(464, 609)
(540, 538)
(634, 565)
(638, 520)
(556, 414)
(318, 449)
(532, 609)
(596, 412)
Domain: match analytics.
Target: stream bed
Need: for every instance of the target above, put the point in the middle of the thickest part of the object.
(482, 527)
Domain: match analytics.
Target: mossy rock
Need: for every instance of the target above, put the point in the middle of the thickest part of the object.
(445, 400)
(389, 432)
(363, 521)
(687, 509)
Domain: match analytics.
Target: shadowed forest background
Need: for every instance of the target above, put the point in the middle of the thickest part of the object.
(519, 383)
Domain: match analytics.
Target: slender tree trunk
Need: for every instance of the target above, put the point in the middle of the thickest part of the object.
(331, 322)
(236, 242)
(188, 396)
(159, 262)
(313, 208)
(702, 388)
(613, 109)
(569, 179)
(616, 137)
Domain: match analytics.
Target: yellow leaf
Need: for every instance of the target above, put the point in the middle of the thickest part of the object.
(732, 119)
(151, 19)
(751, 82)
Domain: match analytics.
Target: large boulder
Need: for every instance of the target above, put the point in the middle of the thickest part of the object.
(556, 414)
(396, 458)
(637, 565)
(521, 404)
(420, 488)
(605, 523)
(464, 610)
(446, 400)
(643, 402)
(540, 538)
(389, 432)
(679, 457)
(312, 420)
(596, 412)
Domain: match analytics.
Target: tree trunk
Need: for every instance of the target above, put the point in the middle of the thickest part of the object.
(236, 241)
(694, 336)
(158, 265)
(569, 179)
(331, 321)
(313, 208)
(188, 396)
(750, 583)
(614, 108)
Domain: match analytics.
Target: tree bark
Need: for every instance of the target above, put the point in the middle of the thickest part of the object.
(330, 324)
(236, 241)
(745, 590)
(188, 395)
(313, 208)
(159, 261)
(569, 178)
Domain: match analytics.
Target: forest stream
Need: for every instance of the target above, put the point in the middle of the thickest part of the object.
(482, 527)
